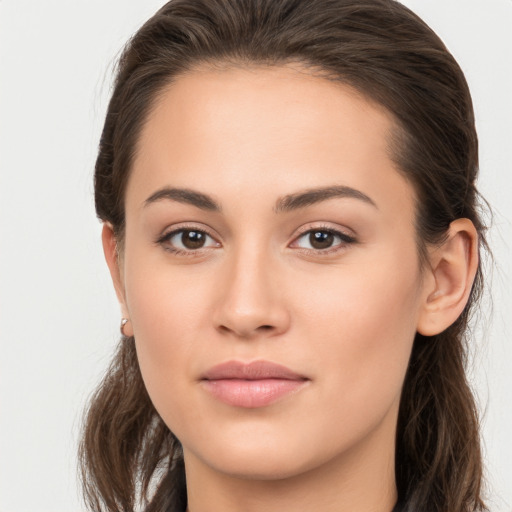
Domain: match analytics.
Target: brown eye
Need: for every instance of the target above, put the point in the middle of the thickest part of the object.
(187, 240)
(193, 239)
(321, 239)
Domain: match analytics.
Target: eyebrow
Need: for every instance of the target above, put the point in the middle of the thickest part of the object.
(316, 195)
(184, 195)
(283, 204)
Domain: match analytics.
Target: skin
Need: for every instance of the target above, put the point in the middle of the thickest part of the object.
(345, 317)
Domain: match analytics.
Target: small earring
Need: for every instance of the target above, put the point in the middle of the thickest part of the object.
(124, 321)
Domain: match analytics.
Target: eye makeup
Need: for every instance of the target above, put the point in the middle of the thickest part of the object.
(193, 241)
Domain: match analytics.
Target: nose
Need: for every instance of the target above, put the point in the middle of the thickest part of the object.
(251, 301)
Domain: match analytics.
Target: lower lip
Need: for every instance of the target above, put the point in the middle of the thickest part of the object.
(251, 393)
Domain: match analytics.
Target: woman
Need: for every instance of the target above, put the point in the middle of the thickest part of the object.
(291, 225)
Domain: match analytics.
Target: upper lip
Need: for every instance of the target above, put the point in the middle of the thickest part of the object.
(255, 370)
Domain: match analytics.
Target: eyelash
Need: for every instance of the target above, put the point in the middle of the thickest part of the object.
(180, 252)
(344, 238)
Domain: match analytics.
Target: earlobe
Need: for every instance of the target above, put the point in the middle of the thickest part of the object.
(453, 267)
(110, 249)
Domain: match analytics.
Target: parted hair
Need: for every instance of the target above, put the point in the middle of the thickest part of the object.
(129, 459)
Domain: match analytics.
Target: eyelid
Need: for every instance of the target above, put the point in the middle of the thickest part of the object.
(323, 226)
(346, 239)
(185, 226)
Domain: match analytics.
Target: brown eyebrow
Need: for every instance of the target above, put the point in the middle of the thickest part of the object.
(315, 195)
(283, 204)
(185, 195)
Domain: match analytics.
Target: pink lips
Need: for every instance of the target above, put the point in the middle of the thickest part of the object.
(251, 385)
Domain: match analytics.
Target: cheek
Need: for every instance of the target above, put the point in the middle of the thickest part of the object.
(167, 308)
(363, 323)
(165, 300)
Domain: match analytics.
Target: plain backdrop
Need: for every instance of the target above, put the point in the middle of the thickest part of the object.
(58, 313)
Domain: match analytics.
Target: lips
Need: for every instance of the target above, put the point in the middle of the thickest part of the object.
(251, 385)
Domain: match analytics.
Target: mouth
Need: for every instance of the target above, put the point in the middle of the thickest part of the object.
(251, 385)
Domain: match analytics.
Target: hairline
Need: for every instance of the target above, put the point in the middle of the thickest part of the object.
(396, 138)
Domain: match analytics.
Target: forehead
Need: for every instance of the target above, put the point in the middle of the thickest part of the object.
(263, 131)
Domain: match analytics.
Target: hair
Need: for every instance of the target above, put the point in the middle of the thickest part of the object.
(128, 456)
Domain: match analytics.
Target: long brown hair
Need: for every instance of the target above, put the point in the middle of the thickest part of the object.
(129, 458)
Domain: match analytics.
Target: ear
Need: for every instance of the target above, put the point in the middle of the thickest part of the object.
(110, 249)
(453, 267)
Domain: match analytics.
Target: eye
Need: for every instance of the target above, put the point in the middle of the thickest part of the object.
(187, 240)
(323, 239)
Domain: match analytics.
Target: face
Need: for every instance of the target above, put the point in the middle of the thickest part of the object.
(270, 270)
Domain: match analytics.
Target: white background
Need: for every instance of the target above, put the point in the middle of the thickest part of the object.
(58, 314)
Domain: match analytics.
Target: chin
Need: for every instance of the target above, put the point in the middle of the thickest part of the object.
(261, 466)
(262, 457)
